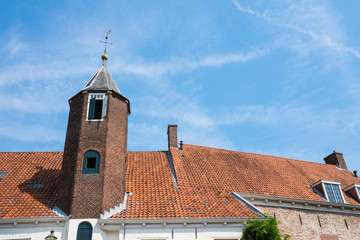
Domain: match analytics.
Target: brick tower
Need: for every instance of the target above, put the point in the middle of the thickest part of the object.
(94, 162)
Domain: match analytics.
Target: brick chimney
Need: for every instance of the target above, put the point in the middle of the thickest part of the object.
(172, 135)
(336, 158)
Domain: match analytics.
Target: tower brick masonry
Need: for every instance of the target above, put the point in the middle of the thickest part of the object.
(89, 195)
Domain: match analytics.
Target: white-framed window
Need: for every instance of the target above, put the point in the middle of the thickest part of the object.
(331, 190)
(97, 106)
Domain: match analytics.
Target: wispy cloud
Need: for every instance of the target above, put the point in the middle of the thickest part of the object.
(15, 45)
(58, 69)
(32, 133)
(179, 65)
(50, 71)
(300, 18)
(307, 116)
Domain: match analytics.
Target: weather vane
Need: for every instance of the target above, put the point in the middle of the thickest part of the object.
(106, 41)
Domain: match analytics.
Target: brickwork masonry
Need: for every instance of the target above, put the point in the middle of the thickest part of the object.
(89, 195)
(304, 224)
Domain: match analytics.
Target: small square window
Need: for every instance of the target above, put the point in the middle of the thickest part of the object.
(91, 162)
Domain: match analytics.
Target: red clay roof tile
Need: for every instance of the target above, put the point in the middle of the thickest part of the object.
(156, 196)
(19, 198)
(254, 173)
(205, 176)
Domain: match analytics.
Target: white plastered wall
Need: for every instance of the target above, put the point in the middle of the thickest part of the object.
(68, 231)
(187, 233)
(31, 232)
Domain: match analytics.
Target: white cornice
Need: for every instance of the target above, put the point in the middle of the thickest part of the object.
(304, 204)
(33, 222)
(116, 224)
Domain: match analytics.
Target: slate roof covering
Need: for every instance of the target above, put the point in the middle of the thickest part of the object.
(102, 81)
(205, 176)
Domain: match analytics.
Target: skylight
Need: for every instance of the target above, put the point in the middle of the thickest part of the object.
(35, 185)
(3, 174)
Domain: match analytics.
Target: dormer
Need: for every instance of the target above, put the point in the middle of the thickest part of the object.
(354, 191)
(330, 190)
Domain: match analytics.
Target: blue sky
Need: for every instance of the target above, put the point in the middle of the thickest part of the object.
(279, 78)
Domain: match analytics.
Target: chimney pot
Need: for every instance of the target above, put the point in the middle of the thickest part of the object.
(336, 158)
(355, 174)
(181, 145)
(172, 135)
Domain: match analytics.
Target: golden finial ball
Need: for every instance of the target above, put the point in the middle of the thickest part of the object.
(104, 57)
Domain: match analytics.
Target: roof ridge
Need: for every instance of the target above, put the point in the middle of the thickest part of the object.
(143, 151)
(34, 152)
(260, 154)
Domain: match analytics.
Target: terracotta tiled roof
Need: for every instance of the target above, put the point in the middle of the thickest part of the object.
(205, 177)
(241, 172)
(155, 195)
(30, 187)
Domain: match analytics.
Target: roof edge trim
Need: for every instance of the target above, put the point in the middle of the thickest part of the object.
(31, 220)
(248, 204)
(173, 220)
(173, 173)
(304, 204)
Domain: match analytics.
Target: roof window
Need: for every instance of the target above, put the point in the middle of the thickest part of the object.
(3, 174)
(35, 185)
(330, 190)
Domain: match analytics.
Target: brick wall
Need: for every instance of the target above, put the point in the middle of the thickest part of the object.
(316, 225)
(115, 153)
(70, 154)
(91, 194)
(172, 135)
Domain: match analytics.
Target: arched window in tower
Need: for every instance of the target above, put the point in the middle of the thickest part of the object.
(91, 162)
(97, 106)
(84, 231)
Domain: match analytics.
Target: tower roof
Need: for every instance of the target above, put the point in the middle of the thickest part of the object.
(102, 80)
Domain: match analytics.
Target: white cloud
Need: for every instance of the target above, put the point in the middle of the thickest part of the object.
(179, 65)
(49, 71)
(14, 45)
(306, 18)
(31, 133)
(53, 70)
